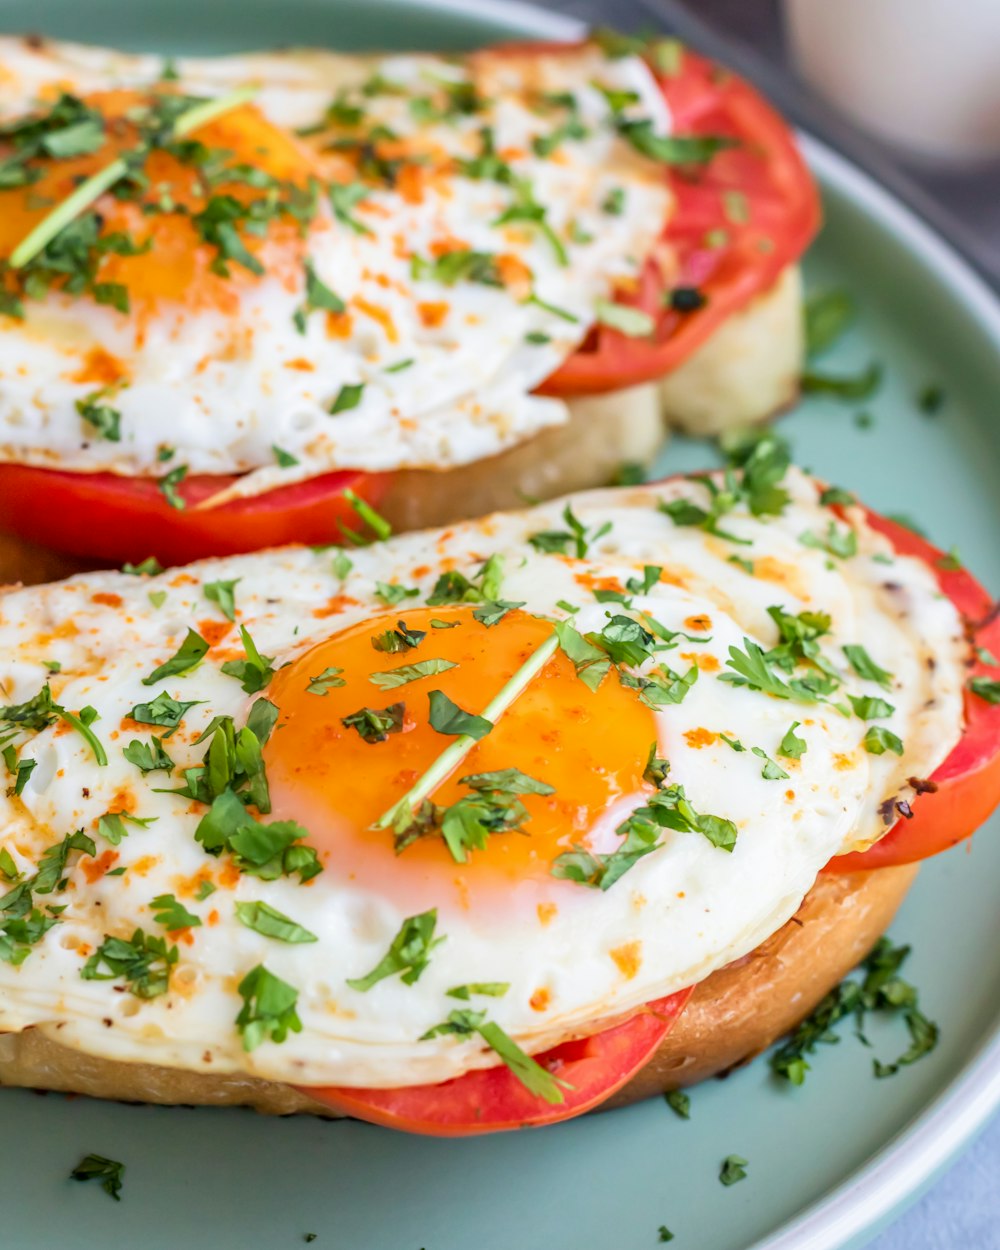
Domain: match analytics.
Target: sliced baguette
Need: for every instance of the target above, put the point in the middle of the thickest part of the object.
(749, 369)
(736, 1013)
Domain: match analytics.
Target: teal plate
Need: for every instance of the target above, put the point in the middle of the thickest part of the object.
(828, 1161)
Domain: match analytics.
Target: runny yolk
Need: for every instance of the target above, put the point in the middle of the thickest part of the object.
(591, 746)
(178, 265)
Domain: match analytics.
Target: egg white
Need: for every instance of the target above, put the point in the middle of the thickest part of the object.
(688, 908)
(218, 388)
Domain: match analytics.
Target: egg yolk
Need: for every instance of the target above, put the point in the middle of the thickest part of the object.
(172, 260)
(590, 746)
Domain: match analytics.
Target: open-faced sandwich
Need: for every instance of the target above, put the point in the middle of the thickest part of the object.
(480, 827)
(239, 294)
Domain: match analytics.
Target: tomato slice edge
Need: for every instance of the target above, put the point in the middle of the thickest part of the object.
(967, 784)
(492, 1100)
(707, 100)
(105, 516)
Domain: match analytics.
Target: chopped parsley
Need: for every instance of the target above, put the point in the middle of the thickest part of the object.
(455, 587)
(144, 962)
(109, 1172)
(348, 397)
(671, 149)
(489, 989)
(493, 807)
(614, 202)
(668, 808)
(20, 769)
(324, 682)
(881, 990)
(878, 740)
(828, 315)
(535, 1078)
(575, 540)
(679, 1103)
(255, 671)
(148, 757)
(758, 488)
(865, 666)
(410, 672)
(408, 954)
(148, 568)
(459, 265)
(168, 485)
(50, 875)
(838, 386)
(379, 526)
(734, 1168)
(375, 724)
(223, 594)
(270, 922)
(986, 687)
(188, 656)
(392, 593)
(792, 746)
(104, 420)
(632, 322)
(528, 212)
(771, 771)
(172, 914)
(837, 541)
(931, 399)
(869, 707)
(447, 717)
(344, 198)
(111, 826)
(267, 851)
(318, 296)
(403, 639)
(268, 1012)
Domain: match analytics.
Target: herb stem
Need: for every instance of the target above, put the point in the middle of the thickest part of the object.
(463, 744)
(93, 187)
(86, 733)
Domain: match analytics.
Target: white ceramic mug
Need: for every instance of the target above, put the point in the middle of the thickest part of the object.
(921, 74)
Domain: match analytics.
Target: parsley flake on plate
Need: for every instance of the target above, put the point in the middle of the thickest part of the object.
(109, 1172)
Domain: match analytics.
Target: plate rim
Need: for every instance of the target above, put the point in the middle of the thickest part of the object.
(949, 1121)
(909, 1160)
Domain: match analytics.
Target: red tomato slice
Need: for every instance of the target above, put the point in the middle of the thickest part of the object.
(967, 785)
(493, 1100)
(738, 221)
(107, 517)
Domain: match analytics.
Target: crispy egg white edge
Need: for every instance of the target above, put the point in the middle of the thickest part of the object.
(689, 907)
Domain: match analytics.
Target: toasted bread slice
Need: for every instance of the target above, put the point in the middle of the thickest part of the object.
(736, 1013)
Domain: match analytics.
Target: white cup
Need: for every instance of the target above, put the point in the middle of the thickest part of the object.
(922, 74)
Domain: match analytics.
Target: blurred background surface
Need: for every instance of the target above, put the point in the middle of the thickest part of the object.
(960, 197)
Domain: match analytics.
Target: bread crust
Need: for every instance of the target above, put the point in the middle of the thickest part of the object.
(733, 1015)
(740, 1010)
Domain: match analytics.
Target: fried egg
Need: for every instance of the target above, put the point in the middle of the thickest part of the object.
(781, 700)
(370, 264)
